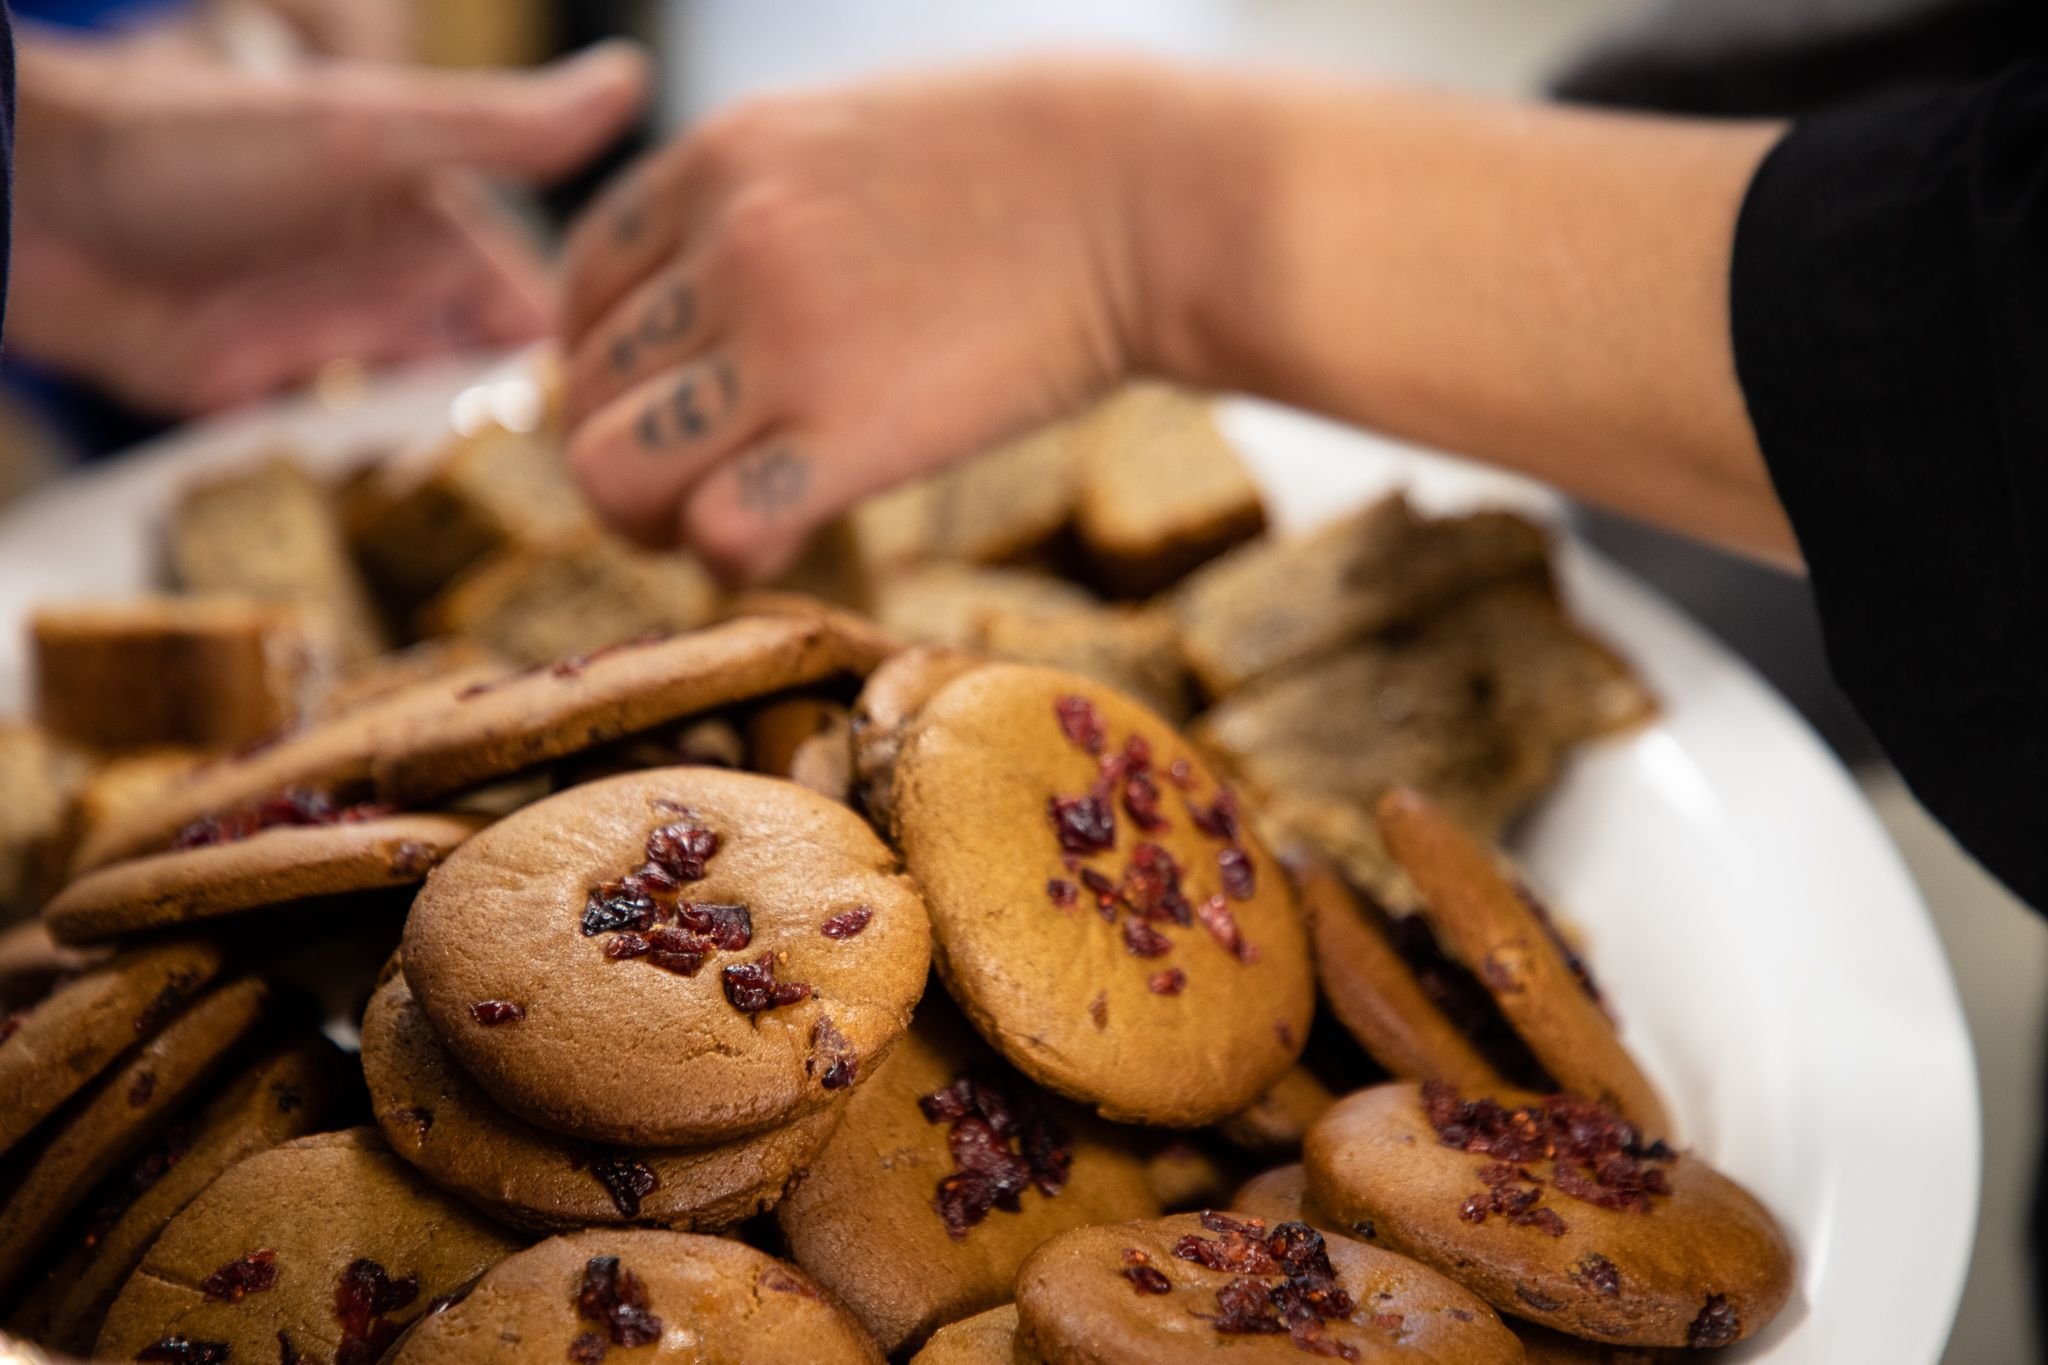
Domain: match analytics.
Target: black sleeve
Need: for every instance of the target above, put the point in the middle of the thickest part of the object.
(1889, 303)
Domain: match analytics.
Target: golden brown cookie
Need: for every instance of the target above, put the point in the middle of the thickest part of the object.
(1186, 1171)
(890, 699)
(323, 1246)
(1280, 1118)
(1374, 992)
(1554, 1210)
(117, 1117)
(32, 964)
(442, 1122)
(1100, 909)
(682, 956)
(1487, 924)
(529, 718)
(1215, 1286)
(1281, 1196)
(988, 1338)
(49, 1050)
(286, 1094)
(270, 871)
(951, 1163)
(580, 1297)
(1546, 1347)
(808, 740)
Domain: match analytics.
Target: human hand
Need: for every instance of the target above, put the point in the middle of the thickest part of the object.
(188, 235)
(815, 296)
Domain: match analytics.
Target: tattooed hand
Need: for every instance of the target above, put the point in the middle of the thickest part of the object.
(812, 297)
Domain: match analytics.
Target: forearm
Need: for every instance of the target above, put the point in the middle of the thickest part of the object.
(1539, 287)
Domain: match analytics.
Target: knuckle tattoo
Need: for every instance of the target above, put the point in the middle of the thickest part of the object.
(773, 481)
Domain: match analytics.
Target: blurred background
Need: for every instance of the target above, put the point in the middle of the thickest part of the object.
(1712, 56)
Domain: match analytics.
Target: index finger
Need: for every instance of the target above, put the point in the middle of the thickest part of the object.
(636, 224)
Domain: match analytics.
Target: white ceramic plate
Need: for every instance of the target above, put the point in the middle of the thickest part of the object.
(1756, 931)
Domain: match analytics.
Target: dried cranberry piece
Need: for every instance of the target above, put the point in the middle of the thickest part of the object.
(751, 987)
(1142, 940)
(1147, 1279)
(673, 950)
(1718, 1324)
(624, 947)
(14, 1020)
(287, 1353)
(175, 988)
(1151, 886)
(1598, 1274)
(840, 1074)
(1172, 981)
(141, 1089)
(682, 850)
(616, 1300)
(1245, 1308)
(954, 1102)
(847, 923)
(1080, 722)
(1222, 926)
(627, 1181)
(588, 1348)
(1598, 1157)
(619, 905)
(1083, 824)
(491, 1013)
(1234, 1252)
(1062, 893)
(364, 1297)
(1141, 802)
(828, 1040)
(250, 1274)
(184, 1351)
(1236, 870)
(990, 1172)
(728, 926)
(1218, 819)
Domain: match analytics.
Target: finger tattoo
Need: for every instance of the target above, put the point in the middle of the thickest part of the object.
(691, 409)
(665, 321)
(773, 481)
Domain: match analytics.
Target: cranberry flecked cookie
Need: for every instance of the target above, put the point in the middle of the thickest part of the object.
(325, 1248)
(889, 700)
(640, 1295)
(442, 1122)
(1555, 1210)
(985, 1339)
(220, 871)
(1100, 907)
(677, 957)
(950, 1162)
(1498, 931)
(1218, 1286)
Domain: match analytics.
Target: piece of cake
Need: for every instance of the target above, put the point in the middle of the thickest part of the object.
(37, 774)
(944, 604)
(272, 531)
(1275, 603)
(441, 657)
(1135, 649)
(1161, 489)
(214, 672)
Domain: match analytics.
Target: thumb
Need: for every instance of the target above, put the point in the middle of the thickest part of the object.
(534, 125)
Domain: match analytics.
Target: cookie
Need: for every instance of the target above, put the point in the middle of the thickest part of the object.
(1100, 908)
(1488, 924)
(1281, 1196)
(1282, 601)
(273, 532)
(808, 740)
(1373, 991)
(1133, 649)
(576, 1297)
(328, 760)
(1185, 1173)
(222, 671)
(442, 1122)
(32, 964)
(428, 661)
(271, 871)
(1214, 1285)
(116, 1118)
(284, 1095)
(324, 1248)
(988, 1338)
(1555, 1348)
(676, 957)
(889, 700)
(1554, 1210)
(51, 1049)
(40, 776)
(530, 718)
(1279, 1119)
(1162, 489)
(948, 1170)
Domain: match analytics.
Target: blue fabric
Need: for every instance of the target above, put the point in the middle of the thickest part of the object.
(93, 14)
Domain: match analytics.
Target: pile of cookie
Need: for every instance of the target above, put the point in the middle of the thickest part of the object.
(910, 974)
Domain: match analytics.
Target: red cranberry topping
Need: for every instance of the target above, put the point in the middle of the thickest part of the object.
(625, 947)
(141, 1089)
(1151, 886)
(1103, 889)
(1063, 893)
(782, 1282)
(999, 1148)
(184, 1351)
(752, 987)
(1718, 1324)
(619, 905)
(1084, 824)
(364, 1298)
(682, 849)
(626, 1181)
(827, 1040)
(1080, 722)
(1222, 926)
(1236, 870)
(175, 988)
(12, 1022)
(1305, 1298)
(1142, 940)
(616, 1301)
(293, 808)
(1172, 981)
(1145, 1277)
(239, 1278)
(728, 926)
(1597, 1273)
(588, 1348)
(122, 1193)
(491, 1013)
(1388, 1322)
(287, 1353)
(672, 950)
(1597, 1157)
(847, 923)
(1141, 801)
(1218, 819)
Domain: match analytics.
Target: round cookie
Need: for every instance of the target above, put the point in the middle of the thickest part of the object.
(1700, 1265)
(118, 1115)
(51, 1049)
(702, 1299)
(538, 715)
(1099, 908)
(1281, 1196)
(330, 757)
(1488, 925)
(768, 967)
(1372, 990)
(1281, 1117)
(273, 869)
(284, 1095)
(1184, 1174)
(906, 1215)
(808, 741)
(890, 699)
(323, 1244)
(442, 1122)
(1146, 1292)
(985, 1339)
